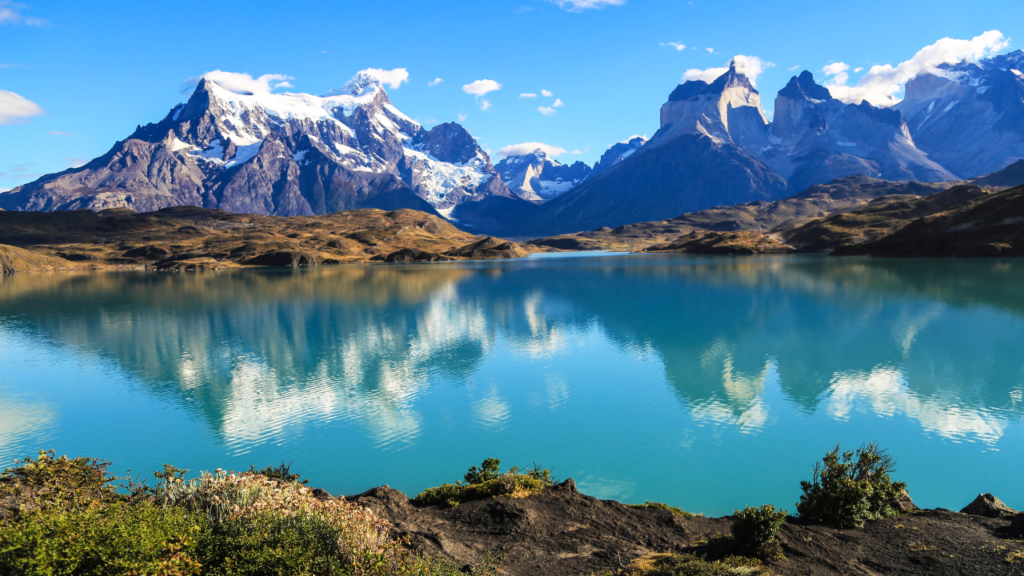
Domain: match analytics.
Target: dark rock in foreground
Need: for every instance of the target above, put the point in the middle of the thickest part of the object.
(988, 505)
(561, 532)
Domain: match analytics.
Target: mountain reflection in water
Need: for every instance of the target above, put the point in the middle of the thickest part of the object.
(394, 360)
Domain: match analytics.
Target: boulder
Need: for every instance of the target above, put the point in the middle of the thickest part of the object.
(905, 504)
(414, 255)
(988, 505)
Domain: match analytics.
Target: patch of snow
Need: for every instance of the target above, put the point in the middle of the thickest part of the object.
(951, 104)
(436, 179)
(300, 157)
(178, 145)
(1018, 73)
(244, 153)
(628, 153)
(983, 89)
(846, 144)
(552, 188)
(215, 153)
(446, 212)
(177, 112)
(931, 106)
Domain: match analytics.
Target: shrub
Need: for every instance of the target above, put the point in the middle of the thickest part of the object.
(688, 564)
(662, 506)
(756, 530)
(851, 488)
(281, 472)
(69, 520)
(487, 481)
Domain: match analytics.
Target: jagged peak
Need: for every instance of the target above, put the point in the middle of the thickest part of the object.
(803, 87)
(361, 84)
(731, 79)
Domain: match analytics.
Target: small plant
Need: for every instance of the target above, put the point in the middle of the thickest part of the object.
(662, 506)
(488, 481)
(756, 530)
(851, 488)
(280, 472)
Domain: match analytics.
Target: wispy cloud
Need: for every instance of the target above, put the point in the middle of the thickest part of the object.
(881, 83)
(480, 87)
(485, 105)
(462, 117)
(558, 103)
(793, 68)
(546, 93)
(750, 66)
(710, 50)
(76, 162)
(547, 111)
(12, 13)
(528, 147)
(527, 95)
(581, 5)
(59, 133)
(390, 78)
(242, 82)
(16, 109)
(679, 46)
(435, 82)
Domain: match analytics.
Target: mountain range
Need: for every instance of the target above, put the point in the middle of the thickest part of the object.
(297, 154)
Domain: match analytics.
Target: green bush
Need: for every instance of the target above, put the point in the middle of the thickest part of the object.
(65, 517)
(756, 530)
(851, 488)
(662, 506)
(486, 482)
(280, 472)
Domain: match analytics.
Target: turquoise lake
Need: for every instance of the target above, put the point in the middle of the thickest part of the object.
(709, 383)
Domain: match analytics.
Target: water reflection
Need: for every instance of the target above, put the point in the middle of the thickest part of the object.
(260, 356)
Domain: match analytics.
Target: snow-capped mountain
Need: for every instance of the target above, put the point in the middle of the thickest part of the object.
(969, 116)
(537, 178)
(281, 154)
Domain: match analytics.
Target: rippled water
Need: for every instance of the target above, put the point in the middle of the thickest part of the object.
(709, 383)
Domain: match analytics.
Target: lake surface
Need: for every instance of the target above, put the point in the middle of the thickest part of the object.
(706, 382)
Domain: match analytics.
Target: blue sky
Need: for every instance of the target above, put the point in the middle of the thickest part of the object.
(95, 70)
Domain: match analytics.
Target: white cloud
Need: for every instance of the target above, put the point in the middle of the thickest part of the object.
(856, 70)
(581, 5)
(881, 83)
(576, 152)
(527, 95)
(2, 190)
(76, 162)
(835, 68)
(485, 105)
(16, 109)
(390, 78)
(710, 50)
(558, 103)
(59, 133)
(679, 46)
(242, 82)
(481, 87)
(751, 66)
(547, 111)
(462, 117)
(10, 13)
(546, 93)
(527, 147)
(435, 81)
(792, 68)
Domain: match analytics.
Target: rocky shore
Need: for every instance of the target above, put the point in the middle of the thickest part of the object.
(561, 532)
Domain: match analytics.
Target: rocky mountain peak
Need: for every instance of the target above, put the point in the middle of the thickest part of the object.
(731, 79)
(361, 83)
(803, 87)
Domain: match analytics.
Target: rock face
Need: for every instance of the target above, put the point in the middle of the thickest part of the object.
(617, 153)
(744, 242)
(989, 506)
(537, 178)
(969, 116)
(278, 154)
(815, 139)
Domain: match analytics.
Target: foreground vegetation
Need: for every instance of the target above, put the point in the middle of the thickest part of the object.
(66, 517)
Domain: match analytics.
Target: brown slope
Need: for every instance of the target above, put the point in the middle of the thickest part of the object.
(186, 238)
(879, 218)
(990, 225)
(841, 195)
(743, 242)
